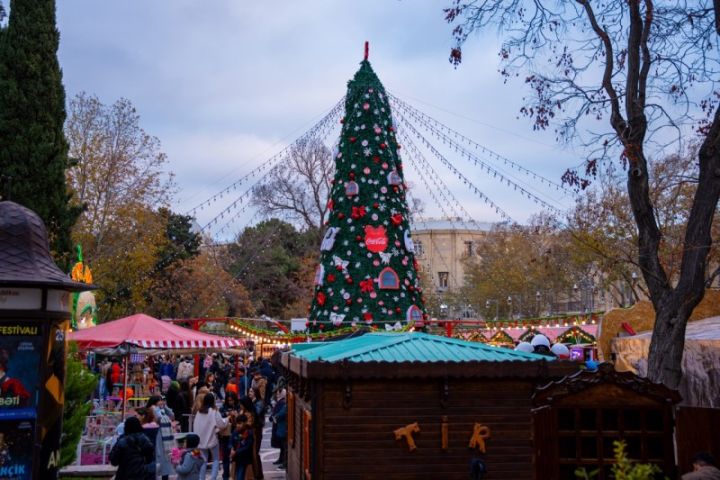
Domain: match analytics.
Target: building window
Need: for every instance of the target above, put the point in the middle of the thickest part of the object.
(469, 248)
(419, 248)
(443, 279)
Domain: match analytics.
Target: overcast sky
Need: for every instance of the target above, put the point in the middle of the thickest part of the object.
(225, 84)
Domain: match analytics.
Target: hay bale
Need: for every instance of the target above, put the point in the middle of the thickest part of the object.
(641, 317)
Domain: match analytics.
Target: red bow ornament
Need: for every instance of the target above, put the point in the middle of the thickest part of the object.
(366, 286)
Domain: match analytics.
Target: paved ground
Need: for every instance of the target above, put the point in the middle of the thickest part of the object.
(269, 455)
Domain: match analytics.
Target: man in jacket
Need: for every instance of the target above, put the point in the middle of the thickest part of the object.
(703, 468)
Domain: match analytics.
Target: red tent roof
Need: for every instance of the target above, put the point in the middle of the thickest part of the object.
(147, 332)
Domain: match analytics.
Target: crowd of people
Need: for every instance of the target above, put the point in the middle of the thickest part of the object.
(220, 414)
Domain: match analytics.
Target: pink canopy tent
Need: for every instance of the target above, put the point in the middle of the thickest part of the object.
(143, 332)
(146, 332)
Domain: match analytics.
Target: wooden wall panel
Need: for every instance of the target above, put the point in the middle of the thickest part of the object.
(358, 442)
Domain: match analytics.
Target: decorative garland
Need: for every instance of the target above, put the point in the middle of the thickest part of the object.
(264, 335)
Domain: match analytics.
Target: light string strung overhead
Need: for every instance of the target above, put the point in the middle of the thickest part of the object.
(422, 165)
(504, 215)
(318, 130)
(401, 104)
(486, 167)
(334, 112)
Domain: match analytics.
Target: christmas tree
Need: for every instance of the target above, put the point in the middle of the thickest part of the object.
(367, 273)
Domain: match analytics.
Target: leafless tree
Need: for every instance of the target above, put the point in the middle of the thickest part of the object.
(648, 68)
(297, 188)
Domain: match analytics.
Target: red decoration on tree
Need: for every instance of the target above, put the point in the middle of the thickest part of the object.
(358, 212)
(396, 219)
(352, 139)
(398, 310)
(368, 317)
(376, 159)
(341, 215)
(321, 326)
(330, 204)
(375, 238)
(383, 146)
(367, 50)
(348, 280)
(366, 286)
(351, 175)
(376, 205)
(321, 298)
(331, 277)
(358, 238)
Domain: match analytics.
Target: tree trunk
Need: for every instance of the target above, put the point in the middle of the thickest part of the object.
(674, 306)
(667, 345)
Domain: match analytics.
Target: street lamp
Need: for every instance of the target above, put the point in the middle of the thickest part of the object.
(509, 302)
(537, 301)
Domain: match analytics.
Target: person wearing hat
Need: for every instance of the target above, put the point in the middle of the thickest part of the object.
(191, 460)
(133, 453)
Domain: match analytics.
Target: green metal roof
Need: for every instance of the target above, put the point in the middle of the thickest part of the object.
(409, 347)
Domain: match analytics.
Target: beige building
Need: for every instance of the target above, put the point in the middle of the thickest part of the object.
(441, 246)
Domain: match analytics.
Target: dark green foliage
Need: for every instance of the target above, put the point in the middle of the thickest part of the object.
(33, 150)
(183, 243)
(350, 292)
(267, 259)
(79, 385)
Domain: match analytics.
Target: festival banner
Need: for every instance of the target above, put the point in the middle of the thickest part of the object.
(16, 449)
(20, 351)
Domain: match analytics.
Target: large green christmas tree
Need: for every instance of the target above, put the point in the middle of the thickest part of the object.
(33, 150)
(367, 273)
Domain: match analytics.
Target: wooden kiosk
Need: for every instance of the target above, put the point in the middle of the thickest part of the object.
(412, 406)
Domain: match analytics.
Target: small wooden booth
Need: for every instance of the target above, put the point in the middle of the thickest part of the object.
(412, 406)
(577, 419)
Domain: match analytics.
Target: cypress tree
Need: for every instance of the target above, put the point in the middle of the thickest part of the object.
(33, 149)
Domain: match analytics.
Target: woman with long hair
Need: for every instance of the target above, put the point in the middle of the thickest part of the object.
(164, 438)
(208, 422)
(253, 406)
(228, 409)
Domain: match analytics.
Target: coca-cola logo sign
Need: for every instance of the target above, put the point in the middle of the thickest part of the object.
(375, 238)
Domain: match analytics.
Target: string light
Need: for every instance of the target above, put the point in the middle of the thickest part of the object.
(400, 104)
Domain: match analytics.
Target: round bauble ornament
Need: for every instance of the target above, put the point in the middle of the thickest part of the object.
(560, 351)
(540, 340)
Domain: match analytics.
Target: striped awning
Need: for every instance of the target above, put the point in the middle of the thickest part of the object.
(181, 344)
(144, 331)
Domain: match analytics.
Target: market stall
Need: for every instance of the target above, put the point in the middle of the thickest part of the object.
(131, 339)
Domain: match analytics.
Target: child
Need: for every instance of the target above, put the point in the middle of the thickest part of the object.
(191, 460)
(242, 441)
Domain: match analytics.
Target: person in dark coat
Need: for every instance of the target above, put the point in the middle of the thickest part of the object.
(279, 428)
(176, 402)
(243, 447)
(133, 453)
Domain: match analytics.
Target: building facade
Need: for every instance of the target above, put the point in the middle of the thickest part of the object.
(443, 245)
